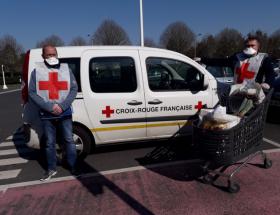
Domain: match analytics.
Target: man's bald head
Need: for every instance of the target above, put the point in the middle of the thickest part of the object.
(49, 51)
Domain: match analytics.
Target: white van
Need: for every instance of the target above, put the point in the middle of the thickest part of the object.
(126, 94)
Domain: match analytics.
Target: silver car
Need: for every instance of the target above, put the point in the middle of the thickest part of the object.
(222, 74)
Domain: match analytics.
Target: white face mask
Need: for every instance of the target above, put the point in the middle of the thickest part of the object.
(249, 51)
(52, 61)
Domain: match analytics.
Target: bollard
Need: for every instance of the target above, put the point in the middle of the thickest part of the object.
(4, 82)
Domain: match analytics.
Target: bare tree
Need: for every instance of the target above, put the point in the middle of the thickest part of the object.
(274, 44)
(229, 41)
(10, 55)
(110, 33)
(148, 42)
(207, 46)
(51, 40)
(78, 41)
(177, 37)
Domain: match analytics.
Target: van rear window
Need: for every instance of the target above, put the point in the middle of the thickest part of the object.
(112, 75)
(74, 65)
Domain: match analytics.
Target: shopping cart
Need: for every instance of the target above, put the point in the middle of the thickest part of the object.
(223, 148)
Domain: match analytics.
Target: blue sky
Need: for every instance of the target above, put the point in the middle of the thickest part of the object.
(30, 21)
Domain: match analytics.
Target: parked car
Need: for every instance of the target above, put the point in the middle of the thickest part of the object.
(276, 66)
(221, 73)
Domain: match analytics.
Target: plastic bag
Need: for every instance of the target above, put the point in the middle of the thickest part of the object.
(249, 89)
(217, 119)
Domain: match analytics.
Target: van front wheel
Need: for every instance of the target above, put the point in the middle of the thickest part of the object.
(82, 141)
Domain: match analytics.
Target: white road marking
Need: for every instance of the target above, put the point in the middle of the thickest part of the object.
(271, 142)
(14, 151)
(10, 91)
(4, 188)
(11, 161)
(9, 174)
(12, 144)
(9, 138)
(7, 144)
(271, 150)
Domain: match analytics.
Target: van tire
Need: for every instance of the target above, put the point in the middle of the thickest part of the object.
(82, 140)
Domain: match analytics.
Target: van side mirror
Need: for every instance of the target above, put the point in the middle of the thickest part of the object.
(199, 84)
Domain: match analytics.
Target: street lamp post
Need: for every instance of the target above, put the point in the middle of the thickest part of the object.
(195, 43)
(91, 39)
(4, 82)
(141, 23)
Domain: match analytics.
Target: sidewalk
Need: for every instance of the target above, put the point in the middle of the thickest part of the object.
(10, 87)
(160, 190)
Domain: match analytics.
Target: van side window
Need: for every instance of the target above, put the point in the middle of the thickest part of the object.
(172, 75)
(112, 75)
(74, 65)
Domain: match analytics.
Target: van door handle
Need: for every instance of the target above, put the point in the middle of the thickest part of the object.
(154, 102)
(134, 102)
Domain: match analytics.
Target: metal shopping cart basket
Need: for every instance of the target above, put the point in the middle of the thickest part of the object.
(223, 148)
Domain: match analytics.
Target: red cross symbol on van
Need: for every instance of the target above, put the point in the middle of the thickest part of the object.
(199, 105)
(243, 72)
(108, 111)
(53, 85)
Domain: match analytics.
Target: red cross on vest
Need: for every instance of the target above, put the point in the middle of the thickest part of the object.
(108, 111)
(243, 72)
(53, 85)
(199, 105)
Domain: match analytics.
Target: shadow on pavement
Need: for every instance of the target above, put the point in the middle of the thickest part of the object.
(96, 187)
(26, 152)
(179, 150)
(273, 115)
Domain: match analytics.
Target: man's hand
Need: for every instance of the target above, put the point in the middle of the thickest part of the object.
(265, 86)
(56, 110)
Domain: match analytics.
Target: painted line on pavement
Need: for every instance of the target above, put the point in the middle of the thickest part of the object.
(15, 151)
(12, 144)
(9, 174)
(271, 150)
(11, 161)
(10, 91)
(4, 188)
(271, 142)
(9, 138)
(7, 144)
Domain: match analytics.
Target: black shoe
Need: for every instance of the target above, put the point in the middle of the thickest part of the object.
(76, 172)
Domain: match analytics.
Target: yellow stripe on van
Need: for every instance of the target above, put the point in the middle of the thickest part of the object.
(187, 123)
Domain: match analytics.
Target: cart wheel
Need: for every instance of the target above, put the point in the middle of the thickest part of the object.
(208, 179)
(233, 187)
(267, 163)
(205, 168)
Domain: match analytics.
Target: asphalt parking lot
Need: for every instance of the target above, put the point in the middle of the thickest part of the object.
(159, 177)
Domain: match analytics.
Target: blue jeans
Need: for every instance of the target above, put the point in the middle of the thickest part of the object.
(64, 125)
